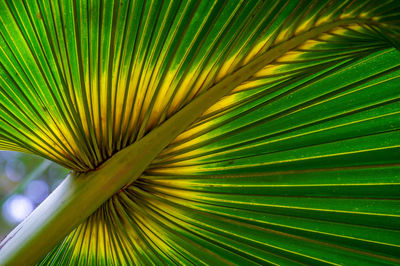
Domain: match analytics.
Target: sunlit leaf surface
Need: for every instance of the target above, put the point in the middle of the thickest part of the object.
(298, 164)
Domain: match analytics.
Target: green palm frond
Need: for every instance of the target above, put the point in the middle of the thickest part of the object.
(258, 131)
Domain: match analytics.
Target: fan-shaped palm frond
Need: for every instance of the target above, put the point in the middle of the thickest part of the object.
(229, 132)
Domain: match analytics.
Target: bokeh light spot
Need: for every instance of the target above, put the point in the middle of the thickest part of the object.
(17, 208)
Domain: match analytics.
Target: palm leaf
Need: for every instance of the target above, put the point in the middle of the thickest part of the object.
(260, 132)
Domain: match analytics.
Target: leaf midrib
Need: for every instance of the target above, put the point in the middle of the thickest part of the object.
(176, 124)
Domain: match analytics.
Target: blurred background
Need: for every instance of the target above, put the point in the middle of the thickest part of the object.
(25, 181)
